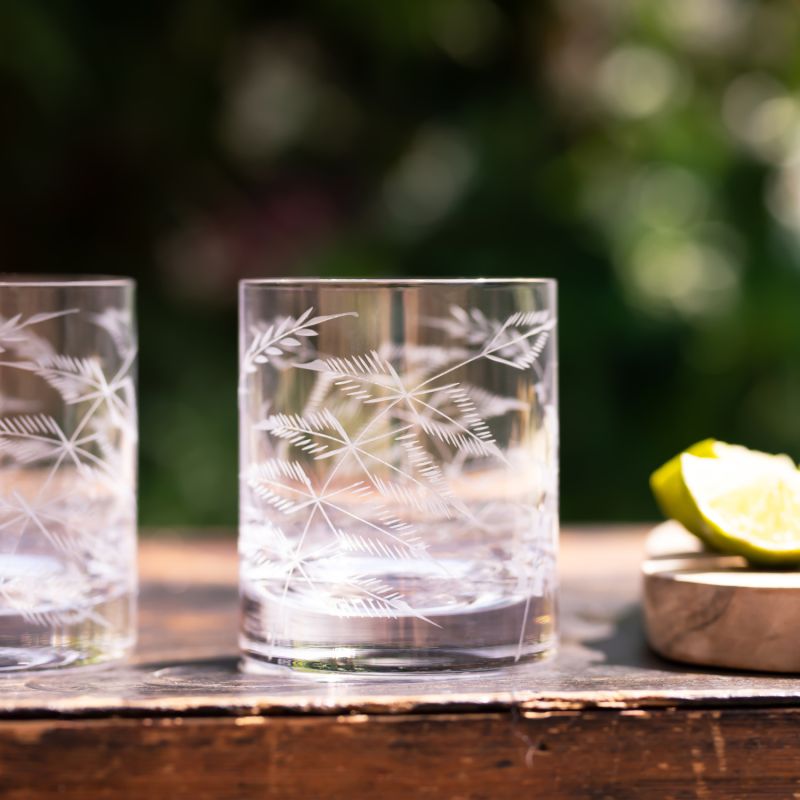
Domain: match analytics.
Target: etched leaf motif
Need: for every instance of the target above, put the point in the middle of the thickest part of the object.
(520, 354)
(419, 497)
(478, 330)
(282, 336)
(373, 546)
(372, 597)
(465, 429)
(75, 379)
(318, 434)
(354, 374)
(16, 333)
(31, 429)
(322, 436)
(517, 342)
(380, 437)
(68, 514)
(371, 380)
(285, 486)
(30, 425)
(31, 437)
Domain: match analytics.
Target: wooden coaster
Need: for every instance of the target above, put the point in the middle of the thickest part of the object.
(714, 610)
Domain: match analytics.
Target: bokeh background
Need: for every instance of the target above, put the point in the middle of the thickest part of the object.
(644, 153)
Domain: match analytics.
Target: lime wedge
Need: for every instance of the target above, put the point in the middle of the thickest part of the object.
(748, 506)
(670, 492)
(675, 500)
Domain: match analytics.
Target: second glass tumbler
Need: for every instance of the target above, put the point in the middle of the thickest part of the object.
(398, 473)
(68, 435)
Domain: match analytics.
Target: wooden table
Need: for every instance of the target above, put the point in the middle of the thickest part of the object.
(605, 719)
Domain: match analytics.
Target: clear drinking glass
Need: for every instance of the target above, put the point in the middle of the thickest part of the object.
(399, 471)
(68, 434)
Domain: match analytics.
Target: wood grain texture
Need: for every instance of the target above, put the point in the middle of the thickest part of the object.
(618, 755)
(605, 719)
(712, 609)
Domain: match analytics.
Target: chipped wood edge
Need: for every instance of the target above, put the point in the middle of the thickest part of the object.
(257, 705)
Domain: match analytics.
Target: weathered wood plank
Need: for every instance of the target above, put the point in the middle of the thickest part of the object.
(679, 753)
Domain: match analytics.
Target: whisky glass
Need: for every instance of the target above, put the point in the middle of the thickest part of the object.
(68, 438)
(399, 473)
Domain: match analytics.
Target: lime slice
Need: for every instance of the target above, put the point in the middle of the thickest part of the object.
(675, 501)
(748, 506)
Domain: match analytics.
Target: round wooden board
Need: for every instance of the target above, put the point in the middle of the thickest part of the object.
(714, 610)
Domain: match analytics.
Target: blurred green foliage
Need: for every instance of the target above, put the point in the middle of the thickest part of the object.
(646, 154)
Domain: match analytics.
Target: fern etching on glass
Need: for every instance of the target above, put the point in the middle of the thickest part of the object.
(390, 484)
(68, 435)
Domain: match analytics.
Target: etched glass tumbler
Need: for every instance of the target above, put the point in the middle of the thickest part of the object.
(399, 471)
(68, 436)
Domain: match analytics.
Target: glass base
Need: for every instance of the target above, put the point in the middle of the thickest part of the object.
(347, 662)
(478, 629)
(14, 660)
(54, 638)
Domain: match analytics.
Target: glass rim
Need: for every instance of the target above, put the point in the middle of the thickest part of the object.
(388, 283)
(43, 280)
